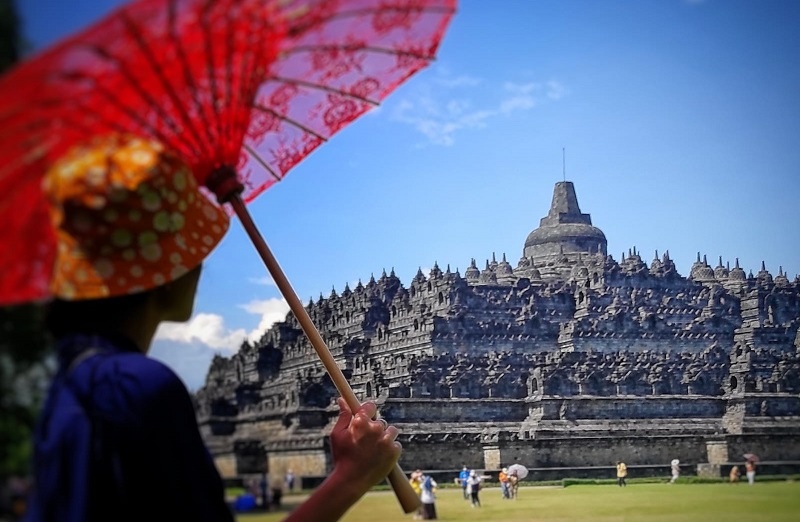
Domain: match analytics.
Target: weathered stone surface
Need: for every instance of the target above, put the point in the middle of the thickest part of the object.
(571, 358)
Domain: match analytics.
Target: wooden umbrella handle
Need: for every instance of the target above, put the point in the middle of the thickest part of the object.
(408, 499)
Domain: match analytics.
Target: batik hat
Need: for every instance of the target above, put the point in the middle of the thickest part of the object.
(129, 217)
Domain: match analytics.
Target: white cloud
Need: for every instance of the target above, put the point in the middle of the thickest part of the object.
(521, 88)
(459, 81)
(439, 122)
(440, 112)
(555, 90)
(264, 281)
(208, 329)
(189, 347)
(271, 311)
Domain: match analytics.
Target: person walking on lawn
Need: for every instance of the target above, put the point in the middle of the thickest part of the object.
(474, 488)
(503, 478)
(462, 479)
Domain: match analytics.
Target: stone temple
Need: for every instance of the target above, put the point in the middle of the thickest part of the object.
(565, 362)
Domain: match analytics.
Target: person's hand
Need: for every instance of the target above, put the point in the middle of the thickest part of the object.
(364, 450)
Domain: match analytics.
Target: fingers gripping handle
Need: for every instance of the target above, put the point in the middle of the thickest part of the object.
(408, 499)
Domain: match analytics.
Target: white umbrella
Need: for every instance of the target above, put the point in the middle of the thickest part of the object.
(675, 462)
(520, 470)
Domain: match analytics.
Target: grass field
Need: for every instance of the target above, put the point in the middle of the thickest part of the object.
(765, 502)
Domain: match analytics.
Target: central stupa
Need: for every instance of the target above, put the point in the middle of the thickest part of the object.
(565, 231)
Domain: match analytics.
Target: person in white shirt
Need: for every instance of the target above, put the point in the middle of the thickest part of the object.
(676, 470)
(428, 498)
(473, 488)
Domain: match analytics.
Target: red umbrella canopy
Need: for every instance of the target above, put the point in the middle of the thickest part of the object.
(255, 85)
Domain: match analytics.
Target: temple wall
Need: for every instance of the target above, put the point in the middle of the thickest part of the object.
(767, 447)
(226, 465)
(648, 407)
(772, 406)
(259, 429)
(302, 463)
(594, 451)
(479, 346)
(438, 454)
(454, 410)
(688, 343)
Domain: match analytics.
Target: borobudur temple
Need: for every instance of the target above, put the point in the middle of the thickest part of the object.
(565, 362)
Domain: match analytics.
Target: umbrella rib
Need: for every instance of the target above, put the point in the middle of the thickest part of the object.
(212, 80)
(290, 121)
(332, 90)
(133, 30)
(261, 162)
(113, 100)
(113, 124)
(109, 123)
(134, 83)
(356, 47)
(182, 59)
(227, 126)
(252, 74)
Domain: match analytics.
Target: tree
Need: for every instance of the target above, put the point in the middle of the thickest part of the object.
(24, 345)
(24, 372)
(9, 34)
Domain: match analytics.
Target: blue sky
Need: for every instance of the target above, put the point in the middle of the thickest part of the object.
(680, 120)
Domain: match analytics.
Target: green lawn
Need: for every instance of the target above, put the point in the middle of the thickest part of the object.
(764, 502)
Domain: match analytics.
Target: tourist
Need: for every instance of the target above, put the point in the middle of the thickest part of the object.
(513, 484)
(503, 478)
(263, 491)
(676, 470)
(252, 490)
(622, 473)
(474, 488)
(750, 471)
(734, 474)
(117, 438)
(415, 480)
(428, 498)
(276, 493)
(462, 479)
(289, 480)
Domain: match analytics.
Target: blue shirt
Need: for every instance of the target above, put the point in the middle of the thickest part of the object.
(128, 448)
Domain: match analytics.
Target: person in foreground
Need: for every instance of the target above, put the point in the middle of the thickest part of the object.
(117, 438)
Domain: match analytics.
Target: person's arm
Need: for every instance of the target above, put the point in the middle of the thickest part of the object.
(363, 454)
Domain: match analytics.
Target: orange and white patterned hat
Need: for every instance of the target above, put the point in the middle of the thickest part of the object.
(128, 216)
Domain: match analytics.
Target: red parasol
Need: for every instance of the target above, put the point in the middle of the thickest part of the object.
(243, 89)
